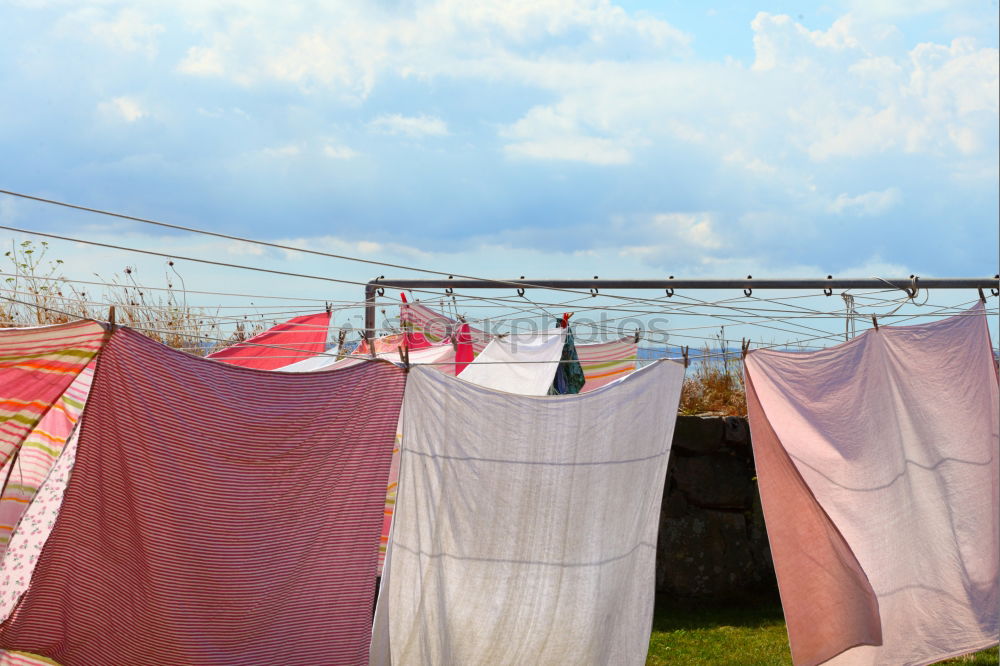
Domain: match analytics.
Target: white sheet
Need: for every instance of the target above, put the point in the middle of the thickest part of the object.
(522, 363)
(441, 357)
(525, 527)
(896, 433)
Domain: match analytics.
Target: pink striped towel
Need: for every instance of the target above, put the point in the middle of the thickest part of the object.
(216, 515)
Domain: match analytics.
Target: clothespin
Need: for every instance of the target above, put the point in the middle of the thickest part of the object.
(564, 322)
(329, 308)
(340, 343)
(369, 343)
(111, 319)
(687, 360)
(636, 338)
(875, 322)
(982, 296)
(404, 355)
(744, 348)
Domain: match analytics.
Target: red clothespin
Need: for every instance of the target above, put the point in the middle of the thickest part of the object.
(564, 322)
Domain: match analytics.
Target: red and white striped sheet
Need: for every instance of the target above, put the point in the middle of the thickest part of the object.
(216, 515)
(37, 365)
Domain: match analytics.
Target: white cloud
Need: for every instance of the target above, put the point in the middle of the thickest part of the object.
(869, 203)
(546, 133)
(590, 150)
(339, 152)
(128, 31)
(412, 126)
(347, 48)
(280, 152)
(123, 108)
(202, 61)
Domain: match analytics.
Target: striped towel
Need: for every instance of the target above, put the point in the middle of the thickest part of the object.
(216, 515)
(439, 357)
(26, 471)
(294, 340)
(602, 362)
(37, 365)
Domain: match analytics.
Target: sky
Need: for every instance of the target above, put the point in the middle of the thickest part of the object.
(499, 138)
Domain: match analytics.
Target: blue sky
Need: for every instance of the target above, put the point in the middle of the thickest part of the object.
(554, 138)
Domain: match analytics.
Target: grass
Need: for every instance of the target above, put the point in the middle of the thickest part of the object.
(736, 632)
(35, 293)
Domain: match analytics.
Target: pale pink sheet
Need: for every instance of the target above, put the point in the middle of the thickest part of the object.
(893, 437)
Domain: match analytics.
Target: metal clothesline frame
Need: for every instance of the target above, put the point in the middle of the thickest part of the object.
(376, 287)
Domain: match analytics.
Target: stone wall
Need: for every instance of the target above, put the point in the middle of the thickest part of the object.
(712, 540)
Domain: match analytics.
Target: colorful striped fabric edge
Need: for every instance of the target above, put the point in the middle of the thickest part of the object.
(37, 365)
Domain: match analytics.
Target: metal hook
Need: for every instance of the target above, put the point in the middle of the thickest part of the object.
(911, 292)
(828, 292)
(449, 290)
(748, 292)
(379, 290)
(995, 292)
(670, 291)
(520, 290)
(593, 290)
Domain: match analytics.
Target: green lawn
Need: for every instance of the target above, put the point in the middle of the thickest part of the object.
(743, 632)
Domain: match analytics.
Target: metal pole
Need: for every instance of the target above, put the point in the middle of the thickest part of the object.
(747, 284)
(370, 311)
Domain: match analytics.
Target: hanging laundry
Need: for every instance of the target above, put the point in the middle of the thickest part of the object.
(605, 362)
(525, 531)
(569, 375)
(464, 351)
(215, 515)
(21, 554)
(296, 339)
(878, 469)
(437, 327)
(523, 363)
(391, 343)
(440, 358)
(602, 362)
(37, 365)
(25, 472)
